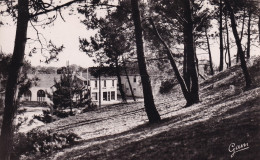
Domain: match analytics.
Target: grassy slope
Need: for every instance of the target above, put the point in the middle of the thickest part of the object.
(226, 115)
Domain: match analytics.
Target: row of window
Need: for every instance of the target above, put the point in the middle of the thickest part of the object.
(40, 95)
(104, 83)
(107, 96)
(113, 82)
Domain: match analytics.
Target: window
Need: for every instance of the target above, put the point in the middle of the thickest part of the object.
(104, 96)
(113, 95)
(134, 89)
(94, 96)
(95, 83)
(113, 83)
(40, 95)
(135, 79)
(105, 83)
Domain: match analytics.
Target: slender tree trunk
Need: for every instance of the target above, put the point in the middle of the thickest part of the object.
(242, 32)
(173, 64)
(196, 60)
(150, 108)
(184, 64)
(69, 75)
(13, 75)
(243, 25)
(239, 47)
(195, 56)
(210, 58)
(249, 35)
(226, 58)
(99, 87)
(228, 47)
(120, 81)
(221, 36)
(185, 70)
(128, 80)
(259, 28)
(189, 43)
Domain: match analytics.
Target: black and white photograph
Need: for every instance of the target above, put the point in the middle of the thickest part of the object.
(129, 79)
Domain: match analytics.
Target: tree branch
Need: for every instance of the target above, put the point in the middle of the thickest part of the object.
(172, 61)
(55, 8)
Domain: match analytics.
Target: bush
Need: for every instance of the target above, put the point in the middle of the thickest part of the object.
(166, 86)
(90, 107)
(46, 118)
(42, 142)
(21, 111)
(61, 114)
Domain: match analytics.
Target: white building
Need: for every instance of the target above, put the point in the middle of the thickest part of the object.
(108, 89)
(38, 93)
(135, 81)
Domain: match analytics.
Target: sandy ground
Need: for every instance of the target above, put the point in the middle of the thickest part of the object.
(25, 118)
(226, 114)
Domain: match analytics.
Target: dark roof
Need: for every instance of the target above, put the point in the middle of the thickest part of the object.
(89, 76)
(131, 68)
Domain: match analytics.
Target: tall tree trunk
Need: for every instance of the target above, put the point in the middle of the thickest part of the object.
(189, 43)
(173, 64)
(123, 96)
(239, 47)
(259, 28)
(185, 70)
(210, 58)
(13, 75)
(196, 59)
(150, 108)
(221, 36)
(228, 47)
(226, 57)
(243, 25)
(242, 31)
(249, 35)
(128, 80)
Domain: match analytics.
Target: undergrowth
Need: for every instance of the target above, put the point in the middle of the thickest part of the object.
(41, 142)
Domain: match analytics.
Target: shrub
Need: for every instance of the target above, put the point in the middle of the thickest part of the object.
(21, 111)
(166, 86)
(42, 142)
(61, 113)
(90, 107)
(46, 118)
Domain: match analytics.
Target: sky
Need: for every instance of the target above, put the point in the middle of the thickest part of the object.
(68, 33)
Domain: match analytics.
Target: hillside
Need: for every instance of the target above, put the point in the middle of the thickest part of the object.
(226, 114)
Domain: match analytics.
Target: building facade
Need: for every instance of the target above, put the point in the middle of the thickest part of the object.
(108, 89)
(45, 84)
(135, 81)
